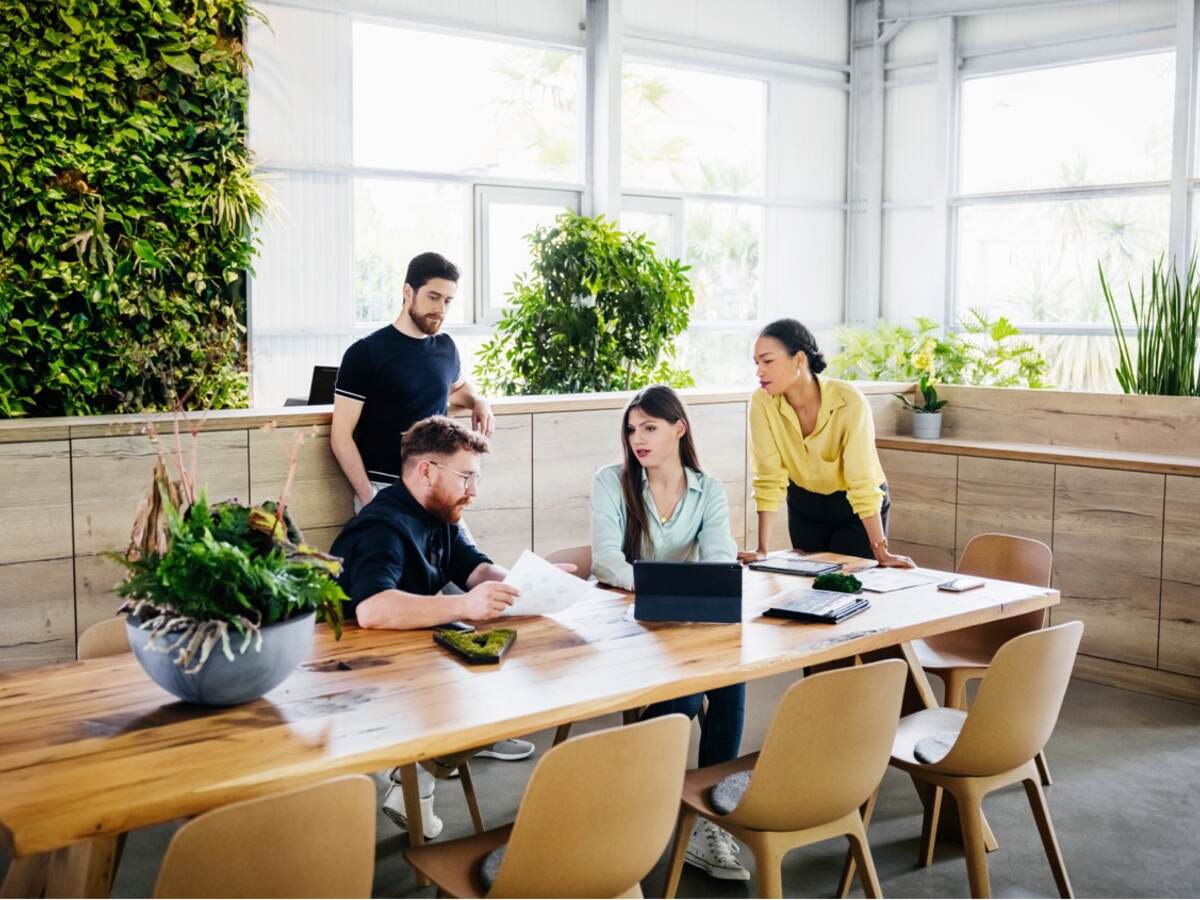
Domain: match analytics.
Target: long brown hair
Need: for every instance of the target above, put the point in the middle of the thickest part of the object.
(658, 402)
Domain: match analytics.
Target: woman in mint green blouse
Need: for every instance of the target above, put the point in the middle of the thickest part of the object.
(658, 504)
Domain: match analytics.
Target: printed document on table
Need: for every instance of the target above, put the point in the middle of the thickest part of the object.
(883, 581)
(545, 588)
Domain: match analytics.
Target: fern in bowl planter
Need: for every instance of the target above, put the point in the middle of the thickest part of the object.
(222, 597)
(927, 413)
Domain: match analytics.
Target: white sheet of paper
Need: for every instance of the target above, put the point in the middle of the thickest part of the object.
(545, 588)
(884, 581)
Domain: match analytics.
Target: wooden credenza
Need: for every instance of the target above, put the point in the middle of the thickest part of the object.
(1125, 532)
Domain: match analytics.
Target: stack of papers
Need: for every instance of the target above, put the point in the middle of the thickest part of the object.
(883, 581)
(546, 589)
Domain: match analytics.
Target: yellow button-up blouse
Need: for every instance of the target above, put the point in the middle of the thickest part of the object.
(839, 455)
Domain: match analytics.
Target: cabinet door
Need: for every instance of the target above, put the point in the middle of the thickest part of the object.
(1004, 495)
(924, 489)
(1108, 531)
(1179, 635)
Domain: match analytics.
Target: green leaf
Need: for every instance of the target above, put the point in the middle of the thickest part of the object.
(73, 23)
(181, 62)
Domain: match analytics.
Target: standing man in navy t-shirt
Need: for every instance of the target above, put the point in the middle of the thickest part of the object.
(398, 375)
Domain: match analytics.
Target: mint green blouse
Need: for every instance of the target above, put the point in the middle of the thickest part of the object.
(698, 528)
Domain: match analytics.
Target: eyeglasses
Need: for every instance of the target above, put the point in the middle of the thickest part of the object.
(469, 479)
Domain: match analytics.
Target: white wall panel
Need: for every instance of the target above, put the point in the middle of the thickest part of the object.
(910, 125)
(981, 34)
(281, 366)
(806, 264)
(911, 260)
(302, 275)
(806, 146)
(553, 20)
(817, 29)
(299, 86)
(917, 42)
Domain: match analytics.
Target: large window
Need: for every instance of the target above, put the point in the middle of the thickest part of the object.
(382, 141)
(382, 137)
(1061, 170)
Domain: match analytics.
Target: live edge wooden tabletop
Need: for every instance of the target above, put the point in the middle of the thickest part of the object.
(94, 748)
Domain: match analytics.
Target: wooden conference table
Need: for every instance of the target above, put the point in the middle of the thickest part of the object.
(94, 749)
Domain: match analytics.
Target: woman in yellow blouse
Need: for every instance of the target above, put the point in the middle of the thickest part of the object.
(813, 443)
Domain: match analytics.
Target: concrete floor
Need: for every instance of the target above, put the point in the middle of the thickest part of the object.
(1125, 802)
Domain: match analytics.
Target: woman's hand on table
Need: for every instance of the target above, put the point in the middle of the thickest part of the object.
(749, 556)
(889, 560)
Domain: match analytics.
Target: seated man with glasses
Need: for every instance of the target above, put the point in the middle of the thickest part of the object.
(405, 546)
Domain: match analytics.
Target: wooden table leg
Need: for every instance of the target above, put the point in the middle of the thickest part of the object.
(411, 788)
(84, 869)
(26, 877)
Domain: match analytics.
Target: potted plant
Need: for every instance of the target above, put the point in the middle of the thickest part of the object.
(599, 311)
(927, 414)
(221, 597)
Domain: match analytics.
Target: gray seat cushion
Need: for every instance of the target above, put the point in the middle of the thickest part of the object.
(727, 793)
(490, 867)
(934, 748)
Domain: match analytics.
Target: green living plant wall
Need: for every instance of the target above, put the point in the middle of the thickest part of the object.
(126, 207)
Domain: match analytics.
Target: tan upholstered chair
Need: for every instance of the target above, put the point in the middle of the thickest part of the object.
(107, 638)
(316, 841)
(962, 656)
(594, 820)
(824, 755)
(994, 744)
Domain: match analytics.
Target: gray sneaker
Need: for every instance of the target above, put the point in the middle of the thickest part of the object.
(711, 849)
(509, 750)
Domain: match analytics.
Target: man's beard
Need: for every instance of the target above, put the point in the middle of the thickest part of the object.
(445, 509)
(428, 323)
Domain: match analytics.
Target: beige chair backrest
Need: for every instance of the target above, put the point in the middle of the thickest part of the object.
(315, 841)
(1008, 558)
(597, 813)
(107, 638)
(580, 557)
(826, 749)
(1018, 703)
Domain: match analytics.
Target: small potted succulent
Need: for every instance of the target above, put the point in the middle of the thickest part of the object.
(221, 597)
(927, 413)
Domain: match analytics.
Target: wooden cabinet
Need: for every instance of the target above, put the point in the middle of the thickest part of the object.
(1004, 495)
(320, 495)
(1179, 629)
(1108, 528)
(924, 495)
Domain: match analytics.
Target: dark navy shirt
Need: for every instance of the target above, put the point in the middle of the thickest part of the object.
(397, 544)
(400, 380)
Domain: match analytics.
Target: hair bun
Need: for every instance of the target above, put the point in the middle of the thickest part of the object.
(816, 361)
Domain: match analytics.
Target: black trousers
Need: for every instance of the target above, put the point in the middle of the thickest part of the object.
(825, 522)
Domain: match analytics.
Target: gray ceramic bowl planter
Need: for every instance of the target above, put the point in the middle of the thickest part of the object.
(221, 681)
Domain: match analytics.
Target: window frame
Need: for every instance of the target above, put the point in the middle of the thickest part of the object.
(486, 312)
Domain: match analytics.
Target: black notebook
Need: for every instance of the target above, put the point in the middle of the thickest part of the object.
(829, 607)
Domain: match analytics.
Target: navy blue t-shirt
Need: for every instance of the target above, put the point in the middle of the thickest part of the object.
(400, 381)
(397, 544)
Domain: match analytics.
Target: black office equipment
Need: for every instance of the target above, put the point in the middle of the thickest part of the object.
(826, 607)
(687, 591)
(320, 391)
(805, 567)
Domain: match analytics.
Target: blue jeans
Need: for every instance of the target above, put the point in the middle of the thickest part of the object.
(721, 733)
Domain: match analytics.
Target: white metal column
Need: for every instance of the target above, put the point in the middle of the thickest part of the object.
(602, 195)
(1182, 153)
(945, 162)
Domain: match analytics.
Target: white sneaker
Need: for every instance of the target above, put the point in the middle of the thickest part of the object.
(393, 804)
(711, 849)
